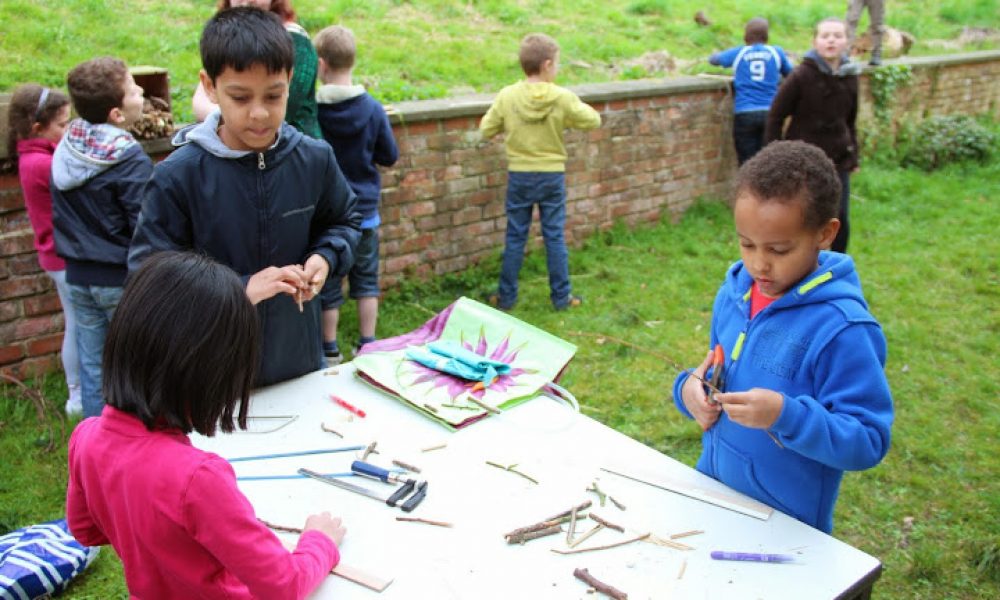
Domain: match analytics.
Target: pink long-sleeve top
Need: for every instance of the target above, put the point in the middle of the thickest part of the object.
(34, 167)
(174, 515)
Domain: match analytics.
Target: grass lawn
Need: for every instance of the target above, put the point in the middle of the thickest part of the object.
(927, 252)
(427, 48)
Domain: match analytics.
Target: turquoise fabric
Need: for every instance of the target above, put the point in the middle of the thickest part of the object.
(452, 358)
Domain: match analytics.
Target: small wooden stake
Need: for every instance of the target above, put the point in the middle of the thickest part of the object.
(327, 429)
(572, 528)
(438, 447)
(406, 466)
(491, 409)
(685, 534)
(683, 568)
(532, 535)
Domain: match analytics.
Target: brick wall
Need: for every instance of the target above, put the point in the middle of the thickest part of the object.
(662, 144)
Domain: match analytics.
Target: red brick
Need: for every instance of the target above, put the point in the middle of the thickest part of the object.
(414, 177)
(420, 242)
(9, 354)
(42, 304)
(32, 367)
(24, 286)
(17, 242)
(419, 209)
(10, 310)
(35, 326)
(460, 124)
(421, 128)
(11, 200)
(24, 264)
(45, 345)
(397, 264)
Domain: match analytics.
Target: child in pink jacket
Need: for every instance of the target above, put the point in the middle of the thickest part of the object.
(173, 512)
(36, 120)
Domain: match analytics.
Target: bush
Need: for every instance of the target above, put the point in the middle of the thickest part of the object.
(938, 141)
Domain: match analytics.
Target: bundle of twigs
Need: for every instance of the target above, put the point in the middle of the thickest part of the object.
(157, 121)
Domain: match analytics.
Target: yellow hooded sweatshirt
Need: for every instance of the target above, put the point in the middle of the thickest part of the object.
(532, 116)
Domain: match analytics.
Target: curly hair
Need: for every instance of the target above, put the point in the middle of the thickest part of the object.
(96, 86)
(793, 171)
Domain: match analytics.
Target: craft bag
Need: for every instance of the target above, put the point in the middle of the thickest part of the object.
(536, 358)
(40, 560)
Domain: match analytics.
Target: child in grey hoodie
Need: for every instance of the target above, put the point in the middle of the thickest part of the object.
(99, 173)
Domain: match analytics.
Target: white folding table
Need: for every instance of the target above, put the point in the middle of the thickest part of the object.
(548, 441)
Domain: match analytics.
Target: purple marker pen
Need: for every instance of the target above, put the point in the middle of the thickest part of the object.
(751, 556)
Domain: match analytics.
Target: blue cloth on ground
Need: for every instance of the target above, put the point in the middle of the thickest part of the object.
(455, 359)
(40, 560)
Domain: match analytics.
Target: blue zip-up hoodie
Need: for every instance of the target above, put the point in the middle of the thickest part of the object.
(253, 210)
(357, 127)
(824, 352)
(99, 174)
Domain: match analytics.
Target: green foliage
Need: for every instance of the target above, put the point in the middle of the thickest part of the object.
(942, 140)
(885, 82)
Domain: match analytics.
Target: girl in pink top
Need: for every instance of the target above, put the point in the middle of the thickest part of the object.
(36, 120)
(172, 512)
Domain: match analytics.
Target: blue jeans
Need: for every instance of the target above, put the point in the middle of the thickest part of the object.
(524, 191)
(69, 356)
(94, 306)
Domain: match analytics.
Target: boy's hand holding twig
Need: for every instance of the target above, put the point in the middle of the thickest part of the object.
(696, 400)
(758, 408)
(330, 526)
(316, 272)
(270, 282)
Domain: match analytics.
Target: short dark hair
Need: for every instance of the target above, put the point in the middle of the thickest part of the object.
(756, 31)
(96, 86)
(336, 46)
(791, 171)
(244, 36)
(182, 347)
(536, 48)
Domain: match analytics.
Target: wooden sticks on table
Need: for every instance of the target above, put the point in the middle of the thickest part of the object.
(610, 591)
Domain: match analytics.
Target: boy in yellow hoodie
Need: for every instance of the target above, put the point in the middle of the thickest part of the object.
(532, 114)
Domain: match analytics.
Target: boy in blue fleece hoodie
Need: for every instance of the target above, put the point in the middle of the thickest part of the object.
(99, 172)
(358, 129)
(254, 193)
(804, 395)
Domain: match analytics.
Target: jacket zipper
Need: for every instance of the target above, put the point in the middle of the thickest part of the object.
(260, 161)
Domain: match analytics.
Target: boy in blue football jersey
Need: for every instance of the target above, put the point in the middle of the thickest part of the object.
(757, 71)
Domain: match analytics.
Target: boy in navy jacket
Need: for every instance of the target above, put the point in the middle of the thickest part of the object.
(254, 193)
(99, 172)
(757, 71)
(804, 395)
(356, 125)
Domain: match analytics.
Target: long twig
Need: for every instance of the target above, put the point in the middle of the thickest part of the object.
(512, 469)
(542, 525)
(566, 513)
(605, 547)
(425, 521)
(607, 524)
(608, 590)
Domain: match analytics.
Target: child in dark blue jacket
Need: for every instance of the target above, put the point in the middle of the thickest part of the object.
(804, 395)
(357, 127)
(254, 193)
(757, 71)
(99, 172)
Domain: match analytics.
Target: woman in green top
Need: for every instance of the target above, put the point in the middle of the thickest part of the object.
(301, 112)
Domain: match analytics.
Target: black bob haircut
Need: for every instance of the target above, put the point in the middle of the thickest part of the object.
(182, 348)
(242, 37)
(791, 171)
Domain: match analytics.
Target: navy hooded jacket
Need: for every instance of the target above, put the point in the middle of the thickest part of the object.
(95, 202)
(357, 127)
(250, 211)
(825, 353)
